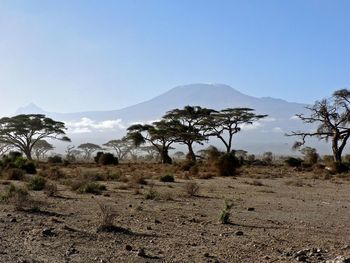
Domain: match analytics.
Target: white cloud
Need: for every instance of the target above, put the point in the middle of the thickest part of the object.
(86, 125)
(277, 129)
(268, 119)
(294, 117)
(253, 126)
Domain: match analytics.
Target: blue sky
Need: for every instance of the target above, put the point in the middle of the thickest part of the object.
(106, 54)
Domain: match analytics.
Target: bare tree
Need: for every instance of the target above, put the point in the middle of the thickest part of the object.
(332, 115)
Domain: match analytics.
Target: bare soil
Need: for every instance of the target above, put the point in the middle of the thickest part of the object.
(278, 215)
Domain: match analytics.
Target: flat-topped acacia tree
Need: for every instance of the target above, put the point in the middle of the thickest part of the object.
(25, 130)
(227, 122)
(188, 123)
(160, 135)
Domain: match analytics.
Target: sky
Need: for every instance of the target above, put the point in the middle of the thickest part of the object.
(80, 55)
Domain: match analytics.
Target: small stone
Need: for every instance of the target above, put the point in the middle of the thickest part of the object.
(156, 221)
(239, 233)
(141, 252)
(48, 232)
(251, 209)
(130, 205)
(13, 220)
(128, 247)
(301, 258)
(206, 254)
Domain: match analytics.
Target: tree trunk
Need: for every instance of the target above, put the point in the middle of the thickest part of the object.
(336, 151)
(191, 156)
(165, 156)
(28, 154)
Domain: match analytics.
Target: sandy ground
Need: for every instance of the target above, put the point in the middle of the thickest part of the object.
(273, 219)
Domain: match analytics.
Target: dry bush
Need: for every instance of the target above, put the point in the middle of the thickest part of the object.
(191, 188)
(138, 179)
(108, 216)
(53, 173)
(205, 176)
(15, 174)
(84, 187)
(16, 196)
(254, 182)
(50, 189)
(295, 182)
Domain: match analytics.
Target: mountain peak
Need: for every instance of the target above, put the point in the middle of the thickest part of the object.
(31, 108)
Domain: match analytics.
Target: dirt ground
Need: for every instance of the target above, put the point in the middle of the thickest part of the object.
(278, 215)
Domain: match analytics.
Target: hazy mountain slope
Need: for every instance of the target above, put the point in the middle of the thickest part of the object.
(268, 134)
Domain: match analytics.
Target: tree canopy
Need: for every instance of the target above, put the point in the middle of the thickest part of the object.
(161, 134)
(188, 124)
(89, 149)
(25, 130)
(227, 122)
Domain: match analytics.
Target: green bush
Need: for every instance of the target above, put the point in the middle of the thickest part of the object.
(85, 187)
(225, 213)
(12, 191)
(227, 164)
(36, 183)
(167, 178)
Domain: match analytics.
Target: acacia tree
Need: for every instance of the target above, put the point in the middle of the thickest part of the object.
(25, 130)
(227, 122)
(4, 148)
(89, 149)
(159, 134)
(41, 148)
(332, 115)
(121, 146)
(188, 123)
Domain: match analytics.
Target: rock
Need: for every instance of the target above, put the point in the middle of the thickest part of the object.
(206, 254)
(251, 209)
(141, 252)
(128, 247)
(13, 220)
(71, 251)
(156, 221)
(301, 258)
(48, 232)
(239, 233)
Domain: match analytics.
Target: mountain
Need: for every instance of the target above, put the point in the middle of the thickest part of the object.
(265, 135)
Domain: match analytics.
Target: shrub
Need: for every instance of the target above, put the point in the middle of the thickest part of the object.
(293, 162)
(36, 183)
(98, 156)
(108, 216)
(225, 213)
(50, 189)
(55, 159)
(267, 157)
(186, 166)
(17, 196)
(84, 187)
(151, 194)
(167, 178)
(310, 155)
(227, 164)
(108, 159)
(191, 188)
(14, 174)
